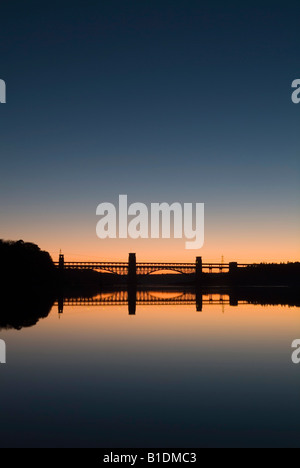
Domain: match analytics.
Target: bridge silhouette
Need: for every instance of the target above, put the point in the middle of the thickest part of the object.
(133, 268)
(133, 298)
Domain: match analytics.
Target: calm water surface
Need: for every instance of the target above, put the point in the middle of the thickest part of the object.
(168, 376)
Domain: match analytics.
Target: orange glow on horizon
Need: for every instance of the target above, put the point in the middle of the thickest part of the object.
(242, 245)
(172, 251)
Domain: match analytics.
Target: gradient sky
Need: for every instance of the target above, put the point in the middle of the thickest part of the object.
(160, 100)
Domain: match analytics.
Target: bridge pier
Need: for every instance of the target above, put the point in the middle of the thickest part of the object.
(61, 262)
(233, 301)
(60, 305)
(199, 301)
(198, 269)
(233, 268)
(131, 291)
(132, 269)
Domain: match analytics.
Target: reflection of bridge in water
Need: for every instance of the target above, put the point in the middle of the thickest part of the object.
(133, 298)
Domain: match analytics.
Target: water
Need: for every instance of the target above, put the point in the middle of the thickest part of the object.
(168, 376)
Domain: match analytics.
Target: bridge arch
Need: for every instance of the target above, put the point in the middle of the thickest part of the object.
(149, 269)
(104, 269)
(164, 271)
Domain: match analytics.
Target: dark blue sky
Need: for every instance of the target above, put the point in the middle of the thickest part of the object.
(163, 101)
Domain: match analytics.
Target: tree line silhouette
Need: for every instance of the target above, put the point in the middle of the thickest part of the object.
(26, 266)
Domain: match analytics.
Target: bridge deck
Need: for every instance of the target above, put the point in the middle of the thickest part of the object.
(133, 268)
(144, 265)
